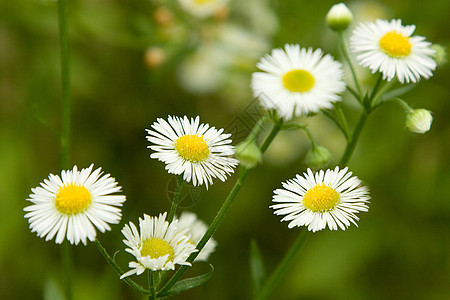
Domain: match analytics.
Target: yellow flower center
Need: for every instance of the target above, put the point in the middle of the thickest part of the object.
(395, 45)
(156, 247)
(298, 81)
(321, 198)
(203, 1)
(72, 199)
(192, 147)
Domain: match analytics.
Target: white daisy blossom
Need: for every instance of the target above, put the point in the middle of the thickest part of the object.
(203, 8)
(157, 245)
(325, 198)
(71, 205)
(197, 228)
(197, 151)
(388, 47)
(298, 81)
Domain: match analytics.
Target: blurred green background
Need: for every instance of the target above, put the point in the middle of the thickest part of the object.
(134, 61)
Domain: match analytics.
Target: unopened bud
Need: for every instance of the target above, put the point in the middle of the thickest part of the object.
(419, 120)
(248, 154)
(154, 57)
(318, 157)
(339, 17)
(440, 54)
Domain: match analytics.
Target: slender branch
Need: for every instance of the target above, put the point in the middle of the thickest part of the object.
(244, 172)
(343, 120)
(67, 263)
(119, 271)
(176, 198)
(287, 261)
(310, 136)
(65, 81)
(351, 144)
(349, 61)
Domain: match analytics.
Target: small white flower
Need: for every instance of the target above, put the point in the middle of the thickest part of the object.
(157, 246)
(71, 205)
(298, 81)
(325, 198)
(197, 228)
(388, 47)
(197, 151)
(419, 120)
(203, 8)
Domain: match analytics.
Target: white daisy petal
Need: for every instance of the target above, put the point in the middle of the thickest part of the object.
(73, 205)
(297, 81)
(158, 246)
(198, 151)
(322, 199)
(388, 47)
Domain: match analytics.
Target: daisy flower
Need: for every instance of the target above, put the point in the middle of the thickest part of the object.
(203, 8)
(71, 205)
(298, 81)
(158, 245)
(388, 47)
(197, 228)
(325, 198)
(197, 151)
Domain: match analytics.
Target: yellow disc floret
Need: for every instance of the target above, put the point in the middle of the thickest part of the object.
(192, 147)
(156, 247)
(298, 81)
(395, 44)
(203, 1)
(72, 199)
(321, 198)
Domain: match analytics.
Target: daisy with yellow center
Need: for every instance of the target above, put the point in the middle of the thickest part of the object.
(71, 205)
(203, 8)
(157, 245)
(298, 81)
(390, 48)
(325, 198)
(197, 228)
(197, 151)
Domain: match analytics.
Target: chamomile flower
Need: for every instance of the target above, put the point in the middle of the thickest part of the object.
(71, 205)
(390, 48)
(203, 8)
(197, 151)
(325, 198)
(157, 245)
(298, 81)
(197, 228)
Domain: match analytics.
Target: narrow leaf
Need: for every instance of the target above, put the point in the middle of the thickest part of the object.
(187, 284)
(256, 267)
(398, 92)
(292, 126)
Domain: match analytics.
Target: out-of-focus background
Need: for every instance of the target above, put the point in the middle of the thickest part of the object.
(134, 61)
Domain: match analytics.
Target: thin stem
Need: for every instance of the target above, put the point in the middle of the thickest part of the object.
(310, 136)
(244, 172)
(65, 81)
(287, 261)
(176, 198)
(403, 104)
(332, 118)
(349, 61)
(351, 144)
(67, 269)
(257, 128)
(151, 285)
(343, 120)
(119, 271)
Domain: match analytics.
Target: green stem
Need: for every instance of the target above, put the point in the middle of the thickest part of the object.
(257, 128)
(151, 285)
(403, 104)
(67, 269)
(222, 212)
(343, 120)
(351, 144)
(310, 136)
(65, 81)
(287, 261)
(119, 271)
(176, 198)
(349, 61)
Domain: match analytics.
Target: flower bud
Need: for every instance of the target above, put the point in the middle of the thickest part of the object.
(248, 154)
(318, 157)
(154, 57)
(339, 17)
(440, 54)
(419, 120)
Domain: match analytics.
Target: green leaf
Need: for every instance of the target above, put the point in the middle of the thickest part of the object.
(397, 92)
(187, 284)
(256, 267)
(292, 126)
